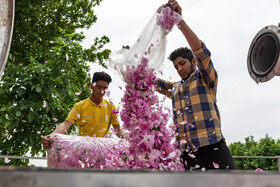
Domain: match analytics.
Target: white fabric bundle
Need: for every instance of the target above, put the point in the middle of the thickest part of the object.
(151, 43)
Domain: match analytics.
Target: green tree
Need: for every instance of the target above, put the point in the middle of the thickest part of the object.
(264, 147)
(47, 71)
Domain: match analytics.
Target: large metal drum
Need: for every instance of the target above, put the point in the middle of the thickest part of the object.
(7, 8)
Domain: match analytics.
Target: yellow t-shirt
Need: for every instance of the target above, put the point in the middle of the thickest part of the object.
(93, 120)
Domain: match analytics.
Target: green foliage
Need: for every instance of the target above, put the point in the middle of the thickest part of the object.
(264, 147)
(46, 73)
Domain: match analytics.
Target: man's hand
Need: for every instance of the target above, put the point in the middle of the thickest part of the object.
(175, 6)
(46, 142)
(119, 131)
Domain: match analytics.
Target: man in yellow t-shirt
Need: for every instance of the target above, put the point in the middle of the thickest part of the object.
(94, 114)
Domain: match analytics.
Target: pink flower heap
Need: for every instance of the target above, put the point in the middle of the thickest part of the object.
(82, 151)
(150, 137)
(168, 18)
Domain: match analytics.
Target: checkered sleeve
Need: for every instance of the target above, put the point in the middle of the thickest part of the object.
(206, 67)
(164, 87)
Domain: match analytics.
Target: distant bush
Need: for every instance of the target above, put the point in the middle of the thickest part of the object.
(264, 147)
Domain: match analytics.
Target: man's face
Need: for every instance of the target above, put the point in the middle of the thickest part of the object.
(99, 89)
(183, 66)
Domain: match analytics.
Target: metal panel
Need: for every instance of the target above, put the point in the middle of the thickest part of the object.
(46, 177)
(7, 8)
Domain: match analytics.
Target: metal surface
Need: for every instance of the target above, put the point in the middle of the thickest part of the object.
(45, 177)
(263, 60)
(23, 157)
(6, 30)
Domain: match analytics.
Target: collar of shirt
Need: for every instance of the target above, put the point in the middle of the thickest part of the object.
(100, 104)
(190, 78)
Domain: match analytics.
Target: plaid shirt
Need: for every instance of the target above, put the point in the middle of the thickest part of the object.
(195, 111)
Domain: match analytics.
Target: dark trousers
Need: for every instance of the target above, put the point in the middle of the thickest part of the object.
(215, 156)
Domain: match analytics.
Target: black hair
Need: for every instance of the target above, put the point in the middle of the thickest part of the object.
(183, 52)
(97, 76)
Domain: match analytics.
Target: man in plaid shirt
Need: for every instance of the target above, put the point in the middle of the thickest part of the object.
(196, 113)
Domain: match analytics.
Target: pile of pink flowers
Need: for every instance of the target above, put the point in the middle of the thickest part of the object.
(82, 151)
(149, 136)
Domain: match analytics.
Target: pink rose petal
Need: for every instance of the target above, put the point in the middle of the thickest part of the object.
(6, 160)
(44, 104)
(258, 170)
(114, 111)
(216, 165)
(108, 93)
(191, 155)
(183, 123)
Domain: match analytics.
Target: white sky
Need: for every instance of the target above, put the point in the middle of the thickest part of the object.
(227, 28)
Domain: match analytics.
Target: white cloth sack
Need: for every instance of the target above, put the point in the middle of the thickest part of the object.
(151, 43)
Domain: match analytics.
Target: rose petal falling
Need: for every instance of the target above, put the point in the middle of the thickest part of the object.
(191, 155)
(114, 111)
(258, 170)
(216, 165)
(78, 93)
(108, 93)
(44, 104)
(6, 160)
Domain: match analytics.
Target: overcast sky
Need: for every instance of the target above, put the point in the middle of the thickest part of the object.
(227, 28)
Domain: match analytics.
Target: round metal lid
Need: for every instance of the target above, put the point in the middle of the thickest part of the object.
(6, 30)
(263, 57)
